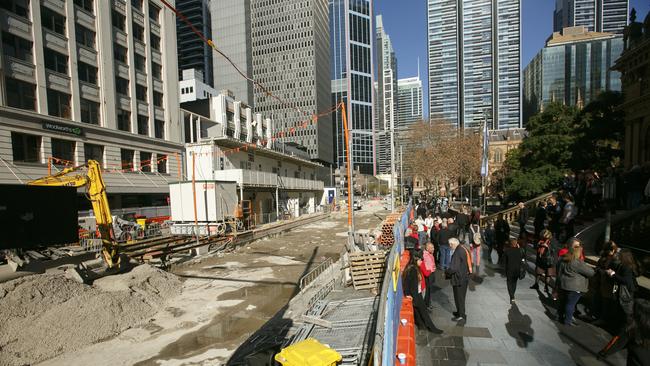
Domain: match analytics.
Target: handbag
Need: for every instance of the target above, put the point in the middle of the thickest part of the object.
(625, 299)
(522, 267)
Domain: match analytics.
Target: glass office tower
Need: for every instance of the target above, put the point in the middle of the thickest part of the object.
(596, 15)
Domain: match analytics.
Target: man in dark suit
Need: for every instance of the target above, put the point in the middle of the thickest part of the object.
(458, 274)
(442, 239)
(522, 219)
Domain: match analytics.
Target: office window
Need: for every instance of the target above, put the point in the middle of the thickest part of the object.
(87, 73)
(145, 162)
(155, 42)
(141, 92)
(86, 5)
(154, 12)
(143, 125)
(18, 7)
(123, 120)
(64, 150)
(52, 20)
(56, 62)
(119, 53)
(94, 152)
(156, 70)
(127, 159)
(119, 20)
(58, 104)
(89, 111)
(137, 4)
(122, 85)
(17, 47)
(138, 32)
(159, 129)
(140, 62)
(85, 36)
(26, 148)
(20, 94)
(157, 99)
(161, 164)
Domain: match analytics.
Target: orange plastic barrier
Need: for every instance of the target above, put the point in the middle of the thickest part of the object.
(406, 333)
(404, 260)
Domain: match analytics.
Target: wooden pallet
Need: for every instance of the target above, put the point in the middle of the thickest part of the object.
(367, 269)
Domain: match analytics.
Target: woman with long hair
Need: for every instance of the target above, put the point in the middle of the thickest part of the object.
(544, 260)
(573, 281)
(513, 256)
(603, 305)
(624, 275)
(414, 288)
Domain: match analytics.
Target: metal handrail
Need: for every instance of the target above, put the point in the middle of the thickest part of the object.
(510, 214)
(307, 279)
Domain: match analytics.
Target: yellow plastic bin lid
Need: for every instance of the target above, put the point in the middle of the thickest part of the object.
(309, 352)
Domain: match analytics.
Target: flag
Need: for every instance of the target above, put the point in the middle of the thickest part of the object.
(486, 155)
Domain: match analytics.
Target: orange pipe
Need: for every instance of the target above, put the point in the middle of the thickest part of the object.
(347, 157)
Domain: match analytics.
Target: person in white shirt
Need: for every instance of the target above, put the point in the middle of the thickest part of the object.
(422, 234)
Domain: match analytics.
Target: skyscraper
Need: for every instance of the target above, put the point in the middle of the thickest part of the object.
(291, 57)
(596, 15)
(474, 62)
(231, 24)
(409, 100)
(193, 53)
(351, 44)
(387, 97)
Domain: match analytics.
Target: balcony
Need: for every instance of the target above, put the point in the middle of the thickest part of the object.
(252, 178)
(300, 184)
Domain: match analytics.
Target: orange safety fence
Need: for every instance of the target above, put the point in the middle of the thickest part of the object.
(406, 334)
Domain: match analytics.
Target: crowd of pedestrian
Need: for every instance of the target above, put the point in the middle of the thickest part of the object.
(452, 241)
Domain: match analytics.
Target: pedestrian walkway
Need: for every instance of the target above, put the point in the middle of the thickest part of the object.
(498, 333)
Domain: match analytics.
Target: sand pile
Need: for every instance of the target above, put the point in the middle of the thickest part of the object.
(43, 316)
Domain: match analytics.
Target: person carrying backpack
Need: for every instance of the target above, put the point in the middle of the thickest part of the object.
(544, 261)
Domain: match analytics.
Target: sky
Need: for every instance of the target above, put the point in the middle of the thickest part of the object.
(405, 22)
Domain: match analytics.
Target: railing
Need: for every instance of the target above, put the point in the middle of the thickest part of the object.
(631, 231)
(258, 178)
(300, 183)
(307, 279)
(511, 214)
(152, 211)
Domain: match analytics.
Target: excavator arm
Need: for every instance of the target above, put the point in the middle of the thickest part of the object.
(92, 180)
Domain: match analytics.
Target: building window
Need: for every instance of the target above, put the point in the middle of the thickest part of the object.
(119, 20)
(56, 62)
(64, 150)
(20, 94)
(94, 152)
(161, 165)
(123, 120)
(18, 7)
(154, 12)
(156, 70)
(119, 53)
(157, 99)
(143, 125)
(127, 159)
(89, 111)
(155, 42)
(138, 32)
(141, 92)
(159, 129)
(52, 20)
(26, 148)
(137, 4)
(122, 85)
(85, 36)
(87, 73)
(58, 104)
(17, 47)
(145, 162)
(140, 62)
(498, 156)
(86, 5)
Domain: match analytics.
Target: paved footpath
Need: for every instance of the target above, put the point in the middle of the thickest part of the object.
(497, 333)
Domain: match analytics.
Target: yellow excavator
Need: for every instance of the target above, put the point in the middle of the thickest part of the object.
(90, 177)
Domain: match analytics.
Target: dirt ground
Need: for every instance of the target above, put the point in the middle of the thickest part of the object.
(226, 297)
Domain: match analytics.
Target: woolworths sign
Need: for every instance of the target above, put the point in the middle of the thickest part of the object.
(71, 130)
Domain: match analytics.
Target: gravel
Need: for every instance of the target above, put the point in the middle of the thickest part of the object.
(42, 316)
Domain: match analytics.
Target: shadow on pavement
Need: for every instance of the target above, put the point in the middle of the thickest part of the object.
(519, 327)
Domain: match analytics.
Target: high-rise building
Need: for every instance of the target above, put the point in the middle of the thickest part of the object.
(596, 15)
(387, 103)
(351, 44)
(193, 53)
(573, 68)
(474, 62)
(91, 80)
(231, 25)
(291, 57)
(409, 100)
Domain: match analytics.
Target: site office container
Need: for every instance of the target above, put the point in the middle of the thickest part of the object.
(216, 201)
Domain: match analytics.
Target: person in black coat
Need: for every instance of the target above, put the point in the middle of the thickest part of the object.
(413, 288)
(462, 222)
(540, 218)
(522, 219)
(512, 262)
(458, 274)
(501, 234)
(624, 274)
(442, 238)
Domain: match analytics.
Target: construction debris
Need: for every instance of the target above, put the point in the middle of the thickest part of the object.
(386, 237)
(47, 315)
(367, 269)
